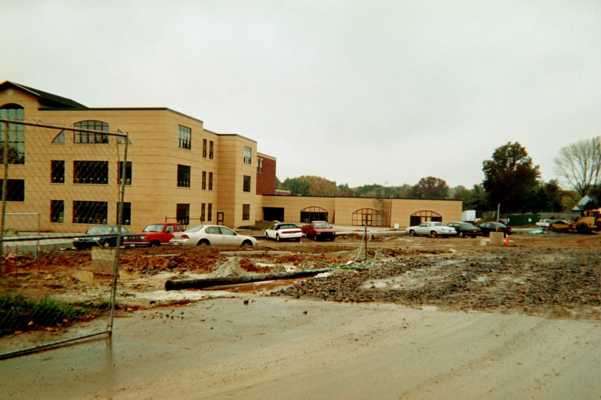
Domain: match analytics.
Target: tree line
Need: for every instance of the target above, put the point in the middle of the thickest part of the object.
(510, 178)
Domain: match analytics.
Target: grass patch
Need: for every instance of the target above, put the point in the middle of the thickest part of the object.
(18, 313)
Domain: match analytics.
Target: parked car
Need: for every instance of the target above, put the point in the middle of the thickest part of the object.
(282, 231)
(488, 227)
(544, 223)
(465, 229)
(433, 229)
(205, 235)
(99, 235)
(319, 230)
(153, 235)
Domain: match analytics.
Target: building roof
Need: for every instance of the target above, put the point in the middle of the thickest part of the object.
(45, 98)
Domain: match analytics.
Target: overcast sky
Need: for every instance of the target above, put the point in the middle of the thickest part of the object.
(357, 91)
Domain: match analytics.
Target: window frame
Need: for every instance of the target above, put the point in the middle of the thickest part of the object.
(247, 155)
(184, 137)
(210, 181)
(203, 185)
(79, 204)
(78, 171)
(246, 212)
(204, 148)
(211, 149)
(91, 138)
(182, 219)
(61, 212)
(11, 194)
(126, 212)
(246, 183)
(129, 172)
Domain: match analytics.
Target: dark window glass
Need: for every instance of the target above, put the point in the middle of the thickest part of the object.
(204, 180)
(183, 175)
(210, 181)
(246, 183)
(91, 172)
(126, 213)
(245, 212)
(91, 137)
(16, 134)
(210, 212)
(211, 149)
(185, 137)
(57, 171)
(15, 189)
(204, 148)
(57, 211)
(90, 212)
(182, 213)
(128, 172)
(202, 212)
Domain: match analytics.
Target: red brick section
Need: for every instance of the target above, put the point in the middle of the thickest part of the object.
(266, 176)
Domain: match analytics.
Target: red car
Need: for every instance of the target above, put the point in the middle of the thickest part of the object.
(153, 235)
(319, 230)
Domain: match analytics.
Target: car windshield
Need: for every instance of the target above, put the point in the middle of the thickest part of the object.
(467, 225)
(154, 228)
(100, 230)
(321, 224)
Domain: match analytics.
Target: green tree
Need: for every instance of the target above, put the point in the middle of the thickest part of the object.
(308, 185)
(430, 188)
(510, 177)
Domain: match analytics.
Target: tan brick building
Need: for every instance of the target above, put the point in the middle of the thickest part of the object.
(177, 169)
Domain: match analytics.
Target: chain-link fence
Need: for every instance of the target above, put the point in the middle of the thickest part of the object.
(62, 216)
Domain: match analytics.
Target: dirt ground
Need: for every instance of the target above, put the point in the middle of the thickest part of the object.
(280, 348)
(557, 276)
(402, 324)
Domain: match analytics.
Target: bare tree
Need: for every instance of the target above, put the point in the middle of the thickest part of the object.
(580, 164)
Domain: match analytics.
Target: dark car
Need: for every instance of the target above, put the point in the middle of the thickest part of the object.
(465, 229)
(488, 227)
(99, 235)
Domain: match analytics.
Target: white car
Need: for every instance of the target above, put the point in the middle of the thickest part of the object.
(433, 229)
(206, 235)
(281, 231)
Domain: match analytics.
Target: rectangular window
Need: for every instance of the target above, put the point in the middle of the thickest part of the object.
(91, 137)
(93, 172)
(211, 149)
(210, 181)
(15, 189)
(246, 183)
(183, 175)
(90, 212)
(16, 136)
(57, 171)
(210, 212)
(126, 213)
(128, 172)
(204, 180)
(182, 214)
(202, 212)
(245, 212)
(247, 155)
(57, 211)
(204, 148)
(259, 165)
(185, 137)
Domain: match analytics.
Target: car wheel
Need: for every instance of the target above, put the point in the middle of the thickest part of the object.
(298, 239)
(277, 238)
(433, 234)
(203, 242)
(247, 243)
(155, 243)
(106, 245)
(461, 235)
(411, 232)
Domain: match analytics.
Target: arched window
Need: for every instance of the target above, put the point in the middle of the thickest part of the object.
(367, 216)
(16, 134)
(90, 137)
(313, 213)
(424, 216)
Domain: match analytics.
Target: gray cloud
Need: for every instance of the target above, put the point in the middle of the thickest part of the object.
(360, 92)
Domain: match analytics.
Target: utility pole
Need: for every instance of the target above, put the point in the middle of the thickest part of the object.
(498, 211)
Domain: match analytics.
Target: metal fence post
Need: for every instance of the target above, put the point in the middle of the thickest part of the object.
(118, 246)
(4, 192)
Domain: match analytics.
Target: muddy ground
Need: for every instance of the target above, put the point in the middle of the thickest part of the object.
(557, 276)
